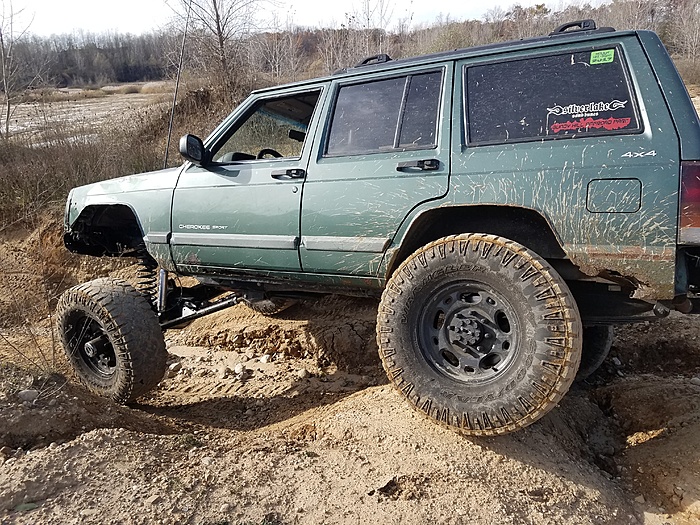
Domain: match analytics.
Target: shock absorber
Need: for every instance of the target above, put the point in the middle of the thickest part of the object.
(147, 277)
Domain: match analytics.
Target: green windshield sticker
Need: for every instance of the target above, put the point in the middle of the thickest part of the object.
(603, 57)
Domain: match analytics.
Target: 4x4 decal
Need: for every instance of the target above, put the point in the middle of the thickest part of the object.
(638, 154)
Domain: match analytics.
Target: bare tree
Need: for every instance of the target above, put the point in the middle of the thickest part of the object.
(10, 69)
(295, 59)
(217, 26)
(270, 49)
(278, 50)
(526, 22)
(375, 17)
(633, 14)
(339, 47)
(685, 29)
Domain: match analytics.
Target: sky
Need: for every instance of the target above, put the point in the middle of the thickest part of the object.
(46, 17)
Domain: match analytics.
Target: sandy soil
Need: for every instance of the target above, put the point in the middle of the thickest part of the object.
(87, 113)
(290, 420)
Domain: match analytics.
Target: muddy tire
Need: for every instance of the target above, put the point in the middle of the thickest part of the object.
(597, 341)
(270, 306)
(479, 333)
(112, 338)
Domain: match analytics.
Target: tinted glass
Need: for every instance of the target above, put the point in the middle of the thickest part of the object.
(419, 124)
(583, 93)
(385, 115)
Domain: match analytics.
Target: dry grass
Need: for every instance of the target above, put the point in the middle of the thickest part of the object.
(129, 89)
(36, 177)
(48, 96)
(689, 70)
(51, 95)
(158, 87)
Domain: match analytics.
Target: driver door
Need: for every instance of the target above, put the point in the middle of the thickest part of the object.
(241, 210)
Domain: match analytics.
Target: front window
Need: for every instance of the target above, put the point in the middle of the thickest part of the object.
(273, 128)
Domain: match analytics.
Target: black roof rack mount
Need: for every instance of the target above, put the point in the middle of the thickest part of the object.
(578, 25)
(374, 59)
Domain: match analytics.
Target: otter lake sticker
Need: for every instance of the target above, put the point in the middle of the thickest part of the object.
(602, 57)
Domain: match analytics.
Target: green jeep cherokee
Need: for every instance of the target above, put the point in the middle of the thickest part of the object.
(510, 203)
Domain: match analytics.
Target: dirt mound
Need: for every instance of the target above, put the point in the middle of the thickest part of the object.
(38, 410)
(336, 331)
(661, 420)
(35, 269)
(665, 347)
(363, 459)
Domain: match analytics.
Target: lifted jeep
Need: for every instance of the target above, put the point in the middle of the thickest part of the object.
(509, 203)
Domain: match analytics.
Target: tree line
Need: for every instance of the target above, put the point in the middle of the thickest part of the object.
(228, 48)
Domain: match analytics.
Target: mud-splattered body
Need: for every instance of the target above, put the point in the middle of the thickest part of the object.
(600, 178)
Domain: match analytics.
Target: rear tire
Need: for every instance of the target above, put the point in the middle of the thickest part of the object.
(112, 338)
(479, 333)
(597, 341)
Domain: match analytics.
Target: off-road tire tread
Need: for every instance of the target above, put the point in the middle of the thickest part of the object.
(438, 252)
(133, 329)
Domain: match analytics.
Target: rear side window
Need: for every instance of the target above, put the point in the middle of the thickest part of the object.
(574, 94)
(386, 115)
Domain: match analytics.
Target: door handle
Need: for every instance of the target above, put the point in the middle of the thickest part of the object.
(422, 164)
(293, 173)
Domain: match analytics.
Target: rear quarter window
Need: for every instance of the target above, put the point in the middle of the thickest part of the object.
(577, 94)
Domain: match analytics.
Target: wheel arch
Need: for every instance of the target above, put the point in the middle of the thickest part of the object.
(523, 225)
(105, 229)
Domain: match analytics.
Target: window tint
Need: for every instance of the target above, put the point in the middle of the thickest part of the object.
(582, 94)
(386, 115)
(277, 124)
(420, 114)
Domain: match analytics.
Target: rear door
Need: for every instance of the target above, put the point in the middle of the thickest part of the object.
(384, 150)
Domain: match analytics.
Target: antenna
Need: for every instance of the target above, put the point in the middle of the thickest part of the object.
(177, 84)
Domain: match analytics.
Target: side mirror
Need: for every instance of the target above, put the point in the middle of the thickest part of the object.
(192, 149)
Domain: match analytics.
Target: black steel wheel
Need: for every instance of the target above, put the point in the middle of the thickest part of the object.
(479, 333)
(112, 338)
(467, 330)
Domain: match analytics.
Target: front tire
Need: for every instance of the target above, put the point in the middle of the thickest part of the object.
(479, 333)
(112, 338)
